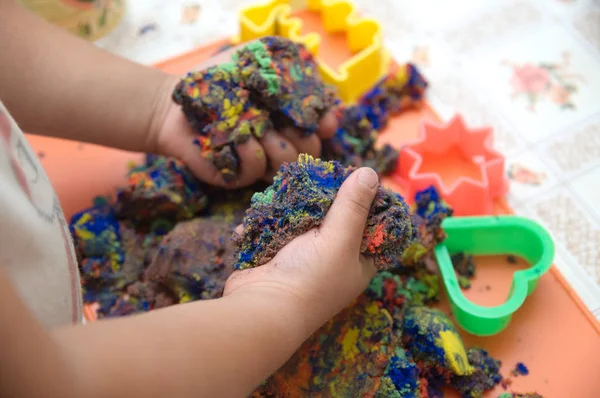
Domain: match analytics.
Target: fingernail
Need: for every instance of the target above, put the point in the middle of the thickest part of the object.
(368, 177)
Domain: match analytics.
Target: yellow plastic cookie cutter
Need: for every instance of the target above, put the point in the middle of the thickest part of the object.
(357, 75)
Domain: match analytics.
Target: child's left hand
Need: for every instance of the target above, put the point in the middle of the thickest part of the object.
(175, 136)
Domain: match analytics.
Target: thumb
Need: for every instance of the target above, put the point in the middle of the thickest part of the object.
(347, 217)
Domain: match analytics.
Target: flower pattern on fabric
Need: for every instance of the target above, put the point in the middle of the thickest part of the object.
(545, 81)
(524, 175)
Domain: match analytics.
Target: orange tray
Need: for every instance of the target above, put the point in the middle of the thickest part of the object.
(553, 333)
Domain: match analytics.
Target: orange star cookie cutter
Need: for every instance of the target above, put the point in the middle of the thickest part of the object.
(467, 195)
(354, 77)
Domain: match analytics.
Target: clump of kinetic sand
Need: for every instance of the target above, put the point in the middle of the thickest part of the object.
(363, 351)
(96, 233)
(221, 112)
(282, 76)
(191, 262)
(344, 358)
(430, 210)
(402, 89)
(100, 252)
(229, 103)
(520, 370)
(217, 106)
(394, 291)
(484, 377)
(111, 257)
(127, 266)
(464, 267)
(298, 200)
(354, 142)
(433, 339)
(404, 376)
(434, 344)
(162, 190)
(194, 260)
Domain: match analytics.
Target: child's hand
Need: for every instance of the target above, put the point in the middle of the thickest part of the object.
(321, 272)
(175, 136)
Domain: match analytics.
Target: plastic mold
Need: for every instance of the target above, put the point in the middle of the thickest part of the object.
(467, 195)
(354, 77)
(489, 236)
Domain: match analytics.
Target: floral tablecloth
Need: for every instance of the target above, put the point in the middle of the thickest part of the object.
(528, 68)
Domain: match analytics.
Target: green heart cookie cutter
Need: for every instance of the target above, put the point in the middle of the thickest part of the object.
(493, 235)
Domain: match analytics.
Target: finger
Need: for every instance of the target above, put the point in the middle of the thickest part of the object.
(348, 215)
(368, 268)
(251, 156)
(279, 150)
(239, 229)
(269, 176)
(327, 126)
(202, 168)
(253, 162)
(180, 145)
(310, 144)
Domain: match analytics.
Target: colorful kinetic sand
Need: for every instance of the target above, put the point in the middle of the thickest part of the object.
(282, 78)
(432, 338)
(520, 369)
(429, 213)
(402, 89)
(111, 257)
(340, 359)
(354, 142)
(163, 189)
(366, 348)
(365, 351)
(465, 268)
(435, 345)
(127, 263)
(230, 103)
(298, 201)
(193, 261)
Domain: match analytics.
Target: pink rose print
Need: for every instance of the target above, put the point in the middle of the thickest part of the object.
(530, 79)
(549, 81)
(526, 176)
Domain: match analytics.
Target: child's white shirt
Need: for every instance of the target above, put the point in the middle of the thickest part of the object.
(36, 251)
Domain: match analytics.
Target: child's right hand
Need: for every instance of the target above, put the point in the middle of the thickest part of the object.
(320, 272)
(174, 137)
